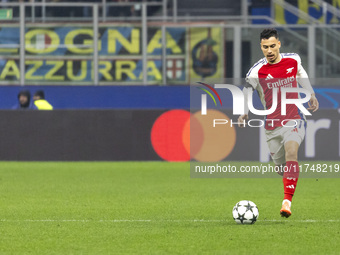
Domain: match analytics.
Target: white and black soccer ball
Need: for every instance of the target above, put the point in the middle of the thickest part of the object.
(245, 212)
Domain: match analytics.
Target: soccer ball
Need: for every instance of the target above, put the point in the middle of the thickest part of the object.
(245, 212)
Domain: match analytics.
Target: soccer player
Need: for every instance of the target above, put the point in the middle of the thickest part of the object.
(278, 70)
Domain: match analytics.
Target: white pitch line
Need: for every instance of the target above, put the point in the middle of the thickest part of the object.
(159, 221)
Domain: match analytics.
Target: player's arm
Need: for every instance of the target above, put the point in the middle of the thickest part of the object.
(252, 82)
(302, 78)
(313, 103)
(244, 117)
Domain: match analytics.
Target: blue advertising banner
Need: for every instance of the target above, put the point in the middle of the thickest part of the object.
(64, 55)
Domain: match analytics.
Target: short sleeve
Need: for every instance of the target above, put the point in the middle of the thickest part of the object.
(252, 77)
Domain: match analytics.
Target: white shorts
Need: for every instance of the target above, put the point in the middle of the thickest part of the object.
(277, 138)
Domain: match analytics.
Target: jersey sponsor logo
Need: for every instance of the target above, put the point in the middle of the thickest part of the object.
(269, 76)
(286, 83)
(289, 70)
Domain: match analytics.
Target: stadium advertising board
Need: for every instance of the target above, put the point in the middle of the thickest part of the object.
(171, 135)
(64, 54)
(206, 49)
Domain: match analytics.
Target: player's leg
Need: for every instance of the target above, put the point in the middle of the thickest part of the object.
(291, 150)
(292, 140)
(276, 149)
(290, 176)
(279, 168)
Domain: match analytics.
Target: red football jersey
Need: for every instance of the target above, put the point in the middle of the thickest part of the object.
(263, 77)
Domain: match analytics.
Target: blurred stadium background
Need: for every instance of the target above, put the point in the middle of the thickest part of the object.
(121, 76)
(130, 99)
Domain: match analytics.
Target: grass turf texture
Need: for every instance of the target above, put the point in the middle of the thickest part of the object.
(151, 208)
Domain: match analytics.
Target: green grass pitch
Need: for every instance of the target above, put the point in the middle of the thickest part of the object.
(156, 208)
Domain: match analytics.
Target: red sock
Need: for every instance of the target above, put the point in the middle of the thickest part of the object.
(290, 178)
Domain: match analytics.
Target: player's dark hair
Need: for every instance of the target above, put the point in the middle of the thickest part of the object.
(269, 32)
